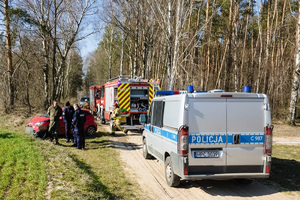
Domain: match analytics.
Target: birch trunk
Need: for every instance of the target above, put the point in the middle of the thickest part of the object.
(169, 51)
(295, 84)
(176, 43)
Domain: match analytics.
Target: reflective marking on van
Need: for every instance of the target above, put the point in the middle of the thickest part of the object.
(248, 138)
(207, 138)
(163, 133)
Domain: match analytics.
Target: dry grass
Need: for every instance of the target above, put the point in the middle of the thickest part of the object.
(281, 129)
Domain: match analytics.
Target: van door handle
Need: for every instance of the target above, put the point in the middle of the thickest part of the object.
(236, 139)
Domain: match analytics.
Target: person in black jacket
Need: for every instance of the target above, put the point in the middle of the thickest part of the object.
(78, 124)
(68, 113)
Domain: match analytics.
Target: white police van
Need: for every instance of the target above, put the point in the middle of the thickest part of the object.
(211, 135)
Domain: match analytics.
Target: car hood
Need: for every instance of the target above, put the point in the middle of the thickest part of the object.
(38, 119)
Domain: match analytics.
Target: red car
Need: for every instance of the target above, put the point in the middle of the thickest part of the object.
(90, 126)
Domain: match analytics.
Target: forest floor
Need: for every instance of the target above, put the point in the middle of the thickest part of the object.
(96, 172)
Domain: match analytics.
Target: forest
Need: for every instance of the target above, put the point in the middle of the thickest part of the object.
(225, 44)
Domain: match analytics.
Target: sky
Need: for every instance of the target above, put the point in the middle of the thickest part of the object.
(89, 45)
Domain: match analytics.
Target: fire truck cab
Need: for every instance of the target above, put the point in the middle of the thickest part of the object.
(94, 98)
(133, 96)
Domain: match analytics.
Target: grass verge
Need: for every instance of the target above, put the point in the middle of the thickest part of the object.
(22, 169)
(37, 169)
(285, 170)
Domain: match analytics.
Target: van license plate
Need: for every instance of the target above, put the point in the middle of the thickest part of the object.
(206, 154)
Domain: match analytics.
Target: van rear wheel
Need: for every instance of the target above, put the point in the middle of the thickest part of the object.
(146, 155)
(172, 179)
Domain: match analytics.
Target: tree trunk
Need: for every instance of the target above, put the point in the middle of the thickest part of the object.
(46, 70)
(234, 38)
(9, 55)
(176, 44)
(122, 55)
(54, 52)
(169, 48)
(260, 53)
(295, 84)
(229, 58)
(110, 53)
(136, 45)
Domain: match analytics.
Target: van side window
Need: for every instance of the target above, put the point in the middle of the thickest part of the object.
(157, 113)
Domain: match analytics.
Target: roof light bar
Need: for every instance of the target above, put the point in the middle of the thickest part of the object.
(166, 92)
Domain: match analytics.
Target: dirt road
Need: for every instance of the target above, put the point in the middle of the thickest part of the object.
(150, 176)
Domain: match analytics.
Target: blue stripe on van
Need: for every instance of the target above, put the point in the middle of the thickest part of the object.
(207, 139)
(163, 133)
(212, 139)
(248, 138)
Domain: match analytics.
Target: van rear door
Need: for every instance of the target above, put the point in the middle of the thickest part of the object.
(207, 135)
(245, 129)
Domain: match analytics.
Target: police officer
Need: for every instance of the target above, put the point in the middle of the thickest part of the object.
(68, 113)
(116, 116)
(54, 111)
(78, 123)
(86, 104)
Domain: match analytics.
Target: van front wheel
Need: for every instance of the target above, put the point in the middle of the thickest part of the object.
(172, 179)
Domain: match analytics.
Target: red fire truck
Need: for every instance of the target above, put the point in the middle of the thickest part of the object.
(133, 96)
(95, 98)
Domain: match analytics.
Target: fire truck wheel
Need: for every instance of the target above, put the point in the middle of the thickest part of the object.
(91, 130)
(146, 155)
(103, 121)
(172, 179)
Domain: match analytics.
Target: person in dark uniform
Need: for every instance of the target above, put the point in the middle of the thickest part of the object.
(54, 112)
(78, 124)
(68, 113)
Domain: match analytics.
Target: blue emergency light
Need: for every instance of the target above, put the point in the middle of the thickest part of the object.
(247, 89)
(190, 89)
(166, 92)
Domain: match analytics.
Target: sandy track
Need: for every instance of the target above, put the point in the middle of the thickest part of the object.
(149, 174)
